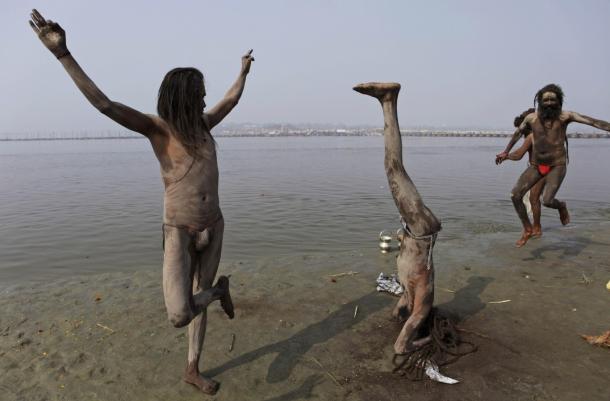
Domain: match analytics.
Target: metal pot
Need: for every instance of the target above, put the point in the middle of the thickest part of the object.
(385, 241)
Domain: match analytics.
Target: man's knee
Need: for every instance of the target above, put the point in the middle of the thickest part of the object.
(180, 318)
(516, 196)
(549, 201)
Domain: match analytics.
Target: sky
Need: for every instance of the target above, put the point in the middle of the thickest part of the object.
(469, 64)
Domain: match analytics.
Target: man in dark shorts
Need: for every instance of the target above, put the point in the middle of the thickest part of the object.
(549, 154)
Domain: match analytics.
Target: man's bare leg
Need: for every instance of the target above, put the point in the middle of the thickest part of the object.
(554, 179)
(208, 259)
(535, 194)
(179, 265)
(415, 274)
(525, 182)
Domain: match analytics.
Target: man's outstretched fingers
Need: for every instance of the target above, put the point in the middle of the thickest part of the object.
(37, 17)
(34, 27)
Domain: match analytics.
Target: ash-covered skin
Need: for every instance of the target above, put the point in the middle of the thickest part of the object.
(548, 126)
(415, 263)
(193, 225)
(536, 190)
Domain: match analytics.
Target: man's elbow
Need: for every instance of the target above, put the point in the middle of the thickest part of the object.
(104, 107)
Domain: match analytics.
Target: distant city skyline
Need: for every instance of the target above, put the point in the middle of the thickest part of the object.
(471, 64)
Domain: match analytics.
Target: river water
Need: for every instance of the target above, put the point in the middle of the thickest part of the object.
(88, 206)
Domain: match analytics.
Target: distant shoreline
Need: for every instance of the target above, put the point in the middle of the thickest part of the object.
(311, 133)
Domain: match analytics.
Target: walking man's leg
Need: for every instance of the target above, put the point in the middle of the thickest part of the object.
(207, 266)
(535, 194)
(527, 180)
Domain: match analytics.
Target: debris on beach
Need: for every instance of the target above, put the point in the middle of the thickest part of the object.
(389, 283)
(232, 342)
(104, 327)
(499, 302)
(603, 340)
(433, 373)
(349, 273)
(608, 285)
(584, 279)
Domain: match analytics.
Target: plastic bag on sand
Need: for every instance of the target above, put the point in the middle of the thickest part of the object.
(389, 283)
(433, 373)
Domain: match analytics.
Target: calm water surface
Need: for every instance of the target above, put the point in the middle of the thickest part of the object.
(72, 207)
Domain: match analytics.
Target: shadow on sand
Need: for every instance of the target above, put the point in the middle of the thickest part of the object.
(290, 351)
(466, 301)
(569, 248)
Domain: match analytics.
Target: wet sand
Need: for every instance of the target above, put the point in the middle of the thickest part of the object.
(106, 337)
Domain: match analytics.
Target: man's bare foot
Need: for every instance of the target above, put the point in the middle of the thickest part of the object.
(225, 300)
(564, 216)
(379, 90)
(536, 232)
(206, 385)
(525, 236)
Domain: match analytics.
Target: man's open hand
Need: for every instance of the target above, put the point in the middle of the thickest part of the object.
(50, 34)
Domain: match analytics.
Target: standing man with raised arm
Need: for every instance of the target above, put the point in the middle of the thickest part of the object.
(549, 153)
(193, 223)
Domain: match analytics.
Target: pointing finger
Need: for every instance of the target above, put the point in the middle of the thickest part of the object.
(249, 52)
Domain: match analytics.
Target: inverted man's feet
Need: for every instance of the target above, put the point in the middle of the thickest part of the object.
(379, 90)
(205, 384)
(564, 216)
(225, 300)
(525, 236)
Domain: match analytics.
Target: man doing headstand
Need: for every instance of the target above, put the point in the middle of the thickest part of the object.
(415, 264)
(549, 154)
(193, 223)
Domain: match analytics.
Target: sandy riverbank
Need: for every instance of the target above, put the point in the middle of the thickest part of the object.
(106, 337)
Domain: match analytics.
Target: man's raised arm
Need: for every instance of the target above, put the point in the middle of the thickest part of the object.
(54, 38)
(580, 118)
(231, 98)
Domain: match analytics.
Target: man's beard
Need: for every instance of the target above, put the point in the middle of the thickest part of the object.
(549, 112)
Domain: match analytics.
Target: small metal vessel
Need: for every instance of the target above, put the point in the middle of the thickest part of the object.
(385, 241)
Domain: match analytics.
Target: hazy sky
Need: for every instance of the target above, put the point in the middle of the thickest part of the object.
(471, 63)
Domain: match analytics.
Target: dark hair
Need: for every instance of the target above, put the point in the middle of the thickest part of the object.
(519, 119)
(556, 89)
(180, 104)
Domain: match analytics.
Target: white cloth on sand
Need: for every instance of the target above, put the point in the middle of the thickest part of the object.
(389, 283)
